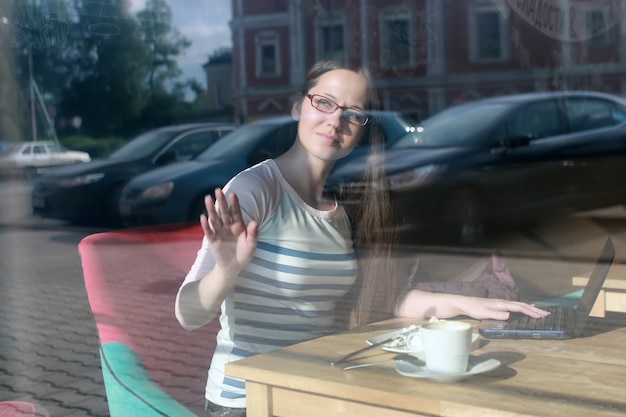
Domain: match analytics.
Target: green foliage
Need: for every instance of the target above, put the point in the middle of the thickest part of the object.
(116, 71)
(97, 148)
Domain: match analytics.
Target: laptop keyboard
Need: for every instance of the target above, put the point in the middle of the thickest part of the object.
(558, 319)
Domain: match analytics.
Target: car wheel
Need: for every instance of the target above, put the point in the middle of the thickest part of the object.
(463, 217)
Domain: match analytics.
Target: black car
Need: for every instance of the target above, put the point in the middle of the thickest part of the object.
(503, 161)
(176, 193)
(88, 193)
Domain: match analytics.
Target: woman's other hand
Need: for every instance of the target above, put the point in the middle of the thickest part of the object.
(496, 309)
(424, 304)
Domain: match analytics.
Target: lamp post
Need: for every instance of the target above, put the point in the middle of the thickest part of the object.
(31, 87)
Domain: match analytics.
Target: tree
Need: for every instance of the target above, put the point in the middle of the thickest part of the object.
(165, 43)
(107, 91)
(95, 60)
(34, 37)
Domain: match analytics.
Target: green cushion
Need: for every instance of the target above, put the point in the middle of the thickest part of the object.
(130, 391)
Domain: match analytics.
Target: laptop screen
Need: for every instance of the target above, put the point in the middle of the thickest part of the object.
(594, 285)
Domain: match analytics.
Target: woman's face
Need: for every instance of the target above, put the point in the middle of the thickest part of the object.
(328, 136)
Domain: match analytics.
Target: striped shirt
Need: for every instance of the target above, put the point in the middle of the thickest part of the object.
(304, 263)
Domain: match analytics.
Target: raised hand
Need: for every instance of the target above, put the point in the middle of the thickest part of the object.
(232, 242)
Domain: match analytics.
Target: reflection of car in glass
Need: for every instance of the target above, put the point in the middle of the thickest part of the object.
(32, 158)
(89, 192)
(176, 193)
(505, 160)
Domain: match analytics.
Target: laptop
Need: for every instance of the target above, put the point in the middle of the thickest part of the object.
(564, 322)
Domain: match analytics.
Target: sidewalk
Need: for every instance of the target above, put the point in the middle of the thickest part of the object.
(48, 344)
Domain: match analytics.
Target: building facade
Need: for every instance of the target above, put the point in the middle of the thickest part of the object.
(219, 75)
(426, 54)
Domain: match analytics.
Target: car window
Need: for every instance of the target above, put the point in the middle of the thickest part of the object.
(536, 121)
(275, 143)
(457, 126)
(143, 145)
(39, 149)
(392, 127)
(586, 113)
(54, 148)
(237, 142)
(192, 144)
(26, 150)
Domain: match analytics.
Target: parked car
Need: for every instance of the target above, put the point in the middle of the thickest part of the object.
(31, 158)
(176, 193)
(88, 193)
(503, 161)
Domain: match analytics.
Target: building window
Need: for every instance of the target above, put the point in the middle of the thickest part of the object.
(331, 41)
(489, 36)
(598, 22)
(396, 42)
(397, 49)
(267, 55)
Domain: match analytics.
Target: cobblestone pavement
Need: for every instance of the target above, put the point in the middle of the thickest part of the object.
(48, 342)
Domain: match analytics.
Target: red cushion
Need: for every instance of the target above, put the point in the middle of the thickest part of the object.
(132, 277)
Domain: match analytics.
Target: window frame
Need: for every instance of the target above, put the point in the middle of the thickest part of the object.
(476, 9)
(324, 23)
(385, 52)
(262, 40)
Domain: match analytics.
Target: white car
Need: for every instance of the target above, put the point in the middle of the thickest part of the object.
(32, 158)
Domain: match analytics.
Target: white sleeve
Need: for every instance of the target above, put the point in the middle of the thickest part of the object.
(255, 200)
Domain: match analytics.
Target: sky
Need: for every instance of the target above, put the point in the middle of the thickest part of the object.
(205, 24)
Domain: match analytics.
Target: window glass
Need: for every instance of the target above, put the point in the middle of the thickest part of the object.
(332, 44)
(503, 124)
(192, 144)
(267, 54)
(588, 113)
(489, 36)
(398, 42)
(536, 121)
(268, 59)
(444, 129)
(53, 148)
(489, 41)
(143, 145)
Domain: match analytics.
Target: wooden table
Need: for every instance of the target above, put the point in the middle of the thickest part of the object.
(583, 377)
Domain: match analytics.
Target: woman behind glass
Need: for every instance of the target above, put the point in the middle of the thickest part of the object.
(281, 260)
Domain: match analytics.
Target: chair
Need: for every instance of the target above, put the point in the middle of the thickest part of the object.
(151, 365)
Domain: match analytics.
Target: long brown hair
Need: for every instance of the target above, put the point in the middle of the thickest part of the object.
(374, 296)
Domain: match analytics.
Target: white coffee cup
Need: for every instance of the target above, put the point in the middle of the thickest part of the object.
(446, 346)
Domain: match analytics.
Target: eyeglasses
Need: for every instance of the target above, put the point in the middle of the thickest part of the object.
(326, 105)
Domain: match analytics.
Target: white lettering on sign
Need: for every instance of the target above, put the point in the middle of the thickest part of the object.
(567, 20)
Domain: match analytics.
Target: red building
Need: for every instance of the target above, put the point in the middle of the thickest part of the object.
(426, 54)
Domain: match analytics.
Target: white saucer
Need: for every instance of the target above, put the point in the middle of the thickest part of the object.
(400, 346)
(475, 366)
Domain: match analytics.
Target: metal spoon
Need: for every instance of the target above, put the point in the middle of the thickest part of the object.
(363, 365)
